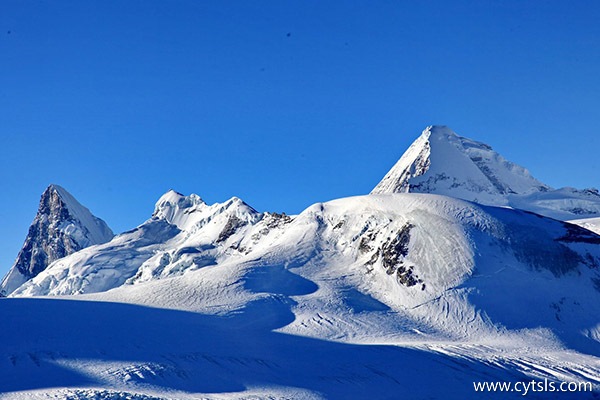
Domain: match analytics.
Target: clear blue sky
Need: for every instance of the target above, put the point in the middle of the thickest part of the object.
(281, 103)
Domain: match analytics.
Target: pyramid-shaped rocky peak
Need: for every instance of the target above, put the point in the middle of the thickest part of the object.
(442, 162)
(61, 227)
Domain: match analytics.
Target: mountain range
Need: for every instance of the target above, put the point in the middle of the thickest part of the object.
(458, 267)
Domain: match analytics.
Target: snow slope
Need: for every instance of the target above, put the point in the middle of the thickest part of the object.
(354, 298)
(61, 227)
(103, 350)
(441, 162)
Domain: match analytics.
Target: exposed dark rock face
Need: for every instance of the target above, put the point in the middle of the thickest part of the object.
(275, 219)
(365, 242)
(394, 250)
(393, 253)
(45, 241)
(232, 225)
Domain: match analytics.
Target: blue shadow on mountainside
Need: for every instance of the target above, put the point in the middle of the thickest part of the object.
(536, 281)
(185, 351)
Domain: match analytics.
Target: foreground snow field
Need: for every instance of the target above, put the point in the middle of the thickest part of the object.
(98, 350)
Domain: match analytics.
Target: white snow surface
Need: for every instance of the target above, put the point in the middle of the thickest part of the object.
(96, 231)
(442, 162)
(382, 296)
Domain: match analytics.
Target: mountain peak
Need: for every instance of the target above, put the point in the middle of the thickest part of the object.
(57, 201)
(174, 198)
(439, 131)
(61, 227)
(61, 193)
(186, 211)
(53, 188)
(55, 193)
(442, 162)
(176, 208)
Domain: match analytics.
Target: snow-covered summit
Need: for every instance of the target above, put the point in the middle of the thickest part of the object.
(61, 227)
(441, 162)
(176, 208)
(186, 212)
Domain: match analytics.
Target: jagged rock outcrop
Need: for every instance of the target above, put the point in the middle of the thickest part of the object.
(61, 227)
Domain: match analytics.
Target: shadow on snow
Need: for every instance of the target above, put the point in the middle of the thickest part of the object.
(178, 350)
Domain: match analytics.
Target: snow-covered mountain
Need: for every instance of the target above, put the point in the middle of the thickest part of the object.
(441, 162)
(183, 234)
(61, 227)
(388, 295)
(439, 284)
(408, 251)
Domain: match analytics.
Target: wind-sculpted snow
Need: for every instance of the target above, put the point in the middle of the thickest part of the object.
(589, 224)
